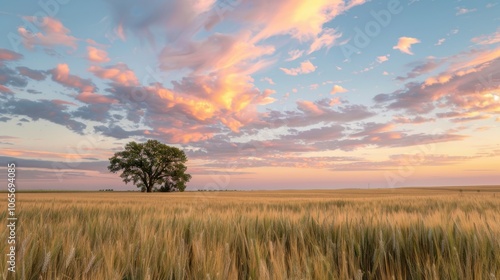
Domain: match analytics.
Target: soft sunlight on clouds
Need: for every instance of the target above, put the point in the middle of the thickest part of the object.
(61, 75)
(119, 73)
(97, 55)
(255, 83)
(54, 34)
(405, 43)
(440, 42)
(6, 55)
(338, 89)
(487, 39)
(306, 67)
(294, 54)
(383, 58)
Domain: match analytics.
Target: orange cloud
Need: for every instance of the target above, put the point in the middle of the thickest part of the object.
(302, 20)
(405, 43)
(54, 33)
(97, 55)
(118, 73)
(338, 89)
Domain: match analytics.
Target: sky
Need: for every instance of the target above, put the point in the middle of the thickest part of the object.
(282, 94)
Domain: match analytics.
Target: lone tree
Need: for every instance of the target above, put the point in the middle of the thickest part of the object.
(151, 166)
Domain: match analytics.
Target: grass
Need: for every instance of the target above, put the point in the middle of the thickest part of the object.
(349, 234)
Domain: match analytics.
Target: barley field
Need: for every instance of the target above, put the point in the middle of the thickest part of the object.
(413, 233)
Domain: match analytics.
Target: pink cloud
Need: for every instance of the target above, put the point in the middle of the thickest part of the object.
(405, 43)
(54, 34)
(97, 55)
(119, 73)
(487, 39)
(61, 75)
(382, 58)
(469, 88)
(93, 98)
(6, 55)
(62, 102)
(294, 54)
(305, 67)
(5, 89)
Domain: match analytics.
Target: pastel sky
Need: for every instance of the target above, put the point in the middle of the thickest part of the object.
(260, 94)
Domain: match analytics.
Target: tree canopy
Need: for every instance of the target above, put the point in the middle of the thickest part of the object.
(151, 166)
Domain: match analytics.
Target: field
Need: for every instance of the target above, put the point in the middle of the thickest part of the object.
(411, 233)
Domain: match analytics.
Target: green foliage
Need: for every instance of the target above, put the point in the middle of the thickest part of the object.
(151, 164)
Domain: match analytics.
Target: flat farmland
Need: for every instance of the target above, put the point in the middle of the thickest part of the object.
(410, 233)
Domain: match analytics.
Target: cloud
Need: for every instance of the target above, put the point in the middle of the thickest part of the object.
(116, 131)
(311, 113)
(415, 120)
(37, 75)
(93, 98)
(9, 77)
(305, 67)
(294, 54)
(338, 89)
(469, 85)
(268, 80)
(118, 73)
(61, 75)
(326, 39)
(50, 165)
(394, 162)
(217, 52)
(176, 19)
(298, 19)
(405, 43)
(383, 58)
(97, 55)
(423, 67)
(440, 42)
(8, 55)
(53, 34)
(5, 89)
(316, 134)
(43, 109)
(487, 39)
(463, 11)
(96, 111)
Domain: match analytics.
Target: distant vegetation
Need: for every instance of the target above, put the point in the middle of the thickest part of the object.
(386, 234)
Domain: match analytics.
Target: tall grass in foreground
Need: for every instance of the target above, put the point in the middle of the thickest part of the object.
(255, 236)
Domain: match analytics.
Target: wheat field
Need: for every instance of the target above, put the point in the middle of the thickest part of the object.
(411, 233)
